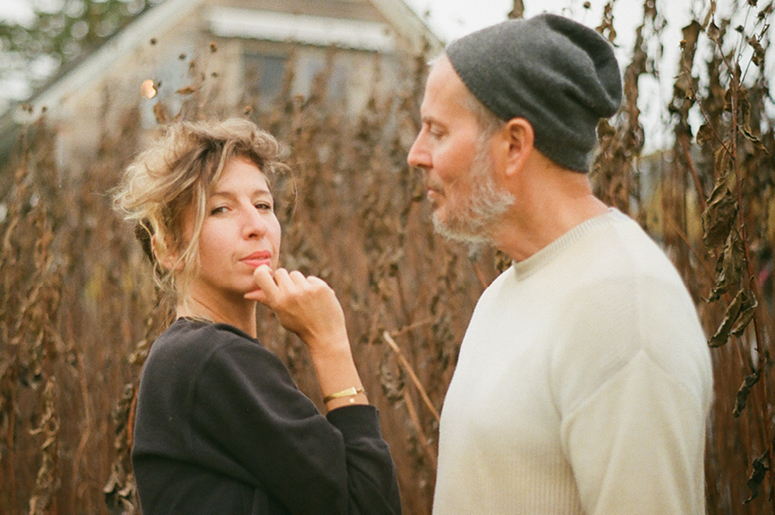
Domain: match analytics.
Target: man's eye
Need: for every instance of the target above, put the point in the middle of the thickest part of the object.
(435, 132)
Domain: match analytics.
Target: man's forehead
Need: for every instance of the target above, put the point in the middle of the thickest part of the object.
(442, 68)
(443, 89)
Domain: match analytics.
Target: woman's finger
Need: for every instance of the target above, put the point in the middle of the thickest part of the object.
(317, 281)
(265, 281)
(298, 278)
(283, 279)
(258, 296)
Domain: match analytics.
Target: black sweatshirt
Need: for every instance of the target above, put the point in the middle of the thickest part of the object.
(221, 428)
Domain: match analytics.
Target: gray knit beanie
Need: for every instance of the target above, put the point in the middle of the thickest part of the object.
(559, 75)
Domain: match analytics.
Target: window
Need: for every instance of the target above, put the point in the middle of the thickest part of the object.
(263, 76)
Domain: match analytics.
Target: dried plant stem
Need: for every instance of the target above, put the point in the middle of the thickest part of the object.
(404, 363)
(87, 423)
(763, 354)
(674, 225)
(695, 174)
(414, 325)
(11, 459)
(414, 417)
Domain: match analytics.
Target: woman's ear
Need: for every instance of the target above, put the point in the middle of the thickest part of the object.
(520, 140)
(166, 258)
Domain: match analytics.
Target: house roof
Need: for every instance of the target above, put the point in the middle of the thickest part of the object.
(234, 22)
(226, 22)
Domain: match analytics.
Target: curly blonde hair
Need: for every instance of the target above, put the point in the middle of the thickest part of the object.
(177, 171)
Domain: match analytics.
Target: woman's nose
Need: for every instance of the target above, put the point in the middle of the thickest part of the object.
(253, 223)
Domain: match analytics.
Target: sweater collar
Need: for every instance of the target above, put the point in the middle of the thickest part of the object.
(546, 255)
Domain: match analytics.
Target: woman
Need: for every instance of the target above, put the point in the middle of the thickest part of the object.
(221, 428)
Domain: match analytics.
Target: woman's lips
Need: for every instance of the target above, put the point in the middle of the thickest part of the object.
(257, 259)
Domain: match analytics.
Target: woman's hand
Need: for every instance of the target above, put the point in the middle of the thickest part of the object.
(306, 306)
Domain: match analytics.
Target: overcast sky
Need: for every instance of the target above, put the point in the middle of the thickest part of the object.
(453, 18)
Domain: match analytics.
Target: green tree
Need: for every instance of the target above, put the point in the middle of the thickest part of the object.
(60, 32)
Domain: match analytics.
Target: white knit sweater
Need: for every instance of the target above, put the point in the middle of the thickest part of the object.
(583, 386)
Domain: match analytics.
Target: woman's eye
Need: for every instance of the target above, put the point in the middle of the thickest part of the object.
(264, 206)
(218, 210)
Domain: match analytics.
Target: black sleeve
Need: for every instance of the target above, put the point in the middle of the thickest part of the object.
(246, 404)
(367, 455)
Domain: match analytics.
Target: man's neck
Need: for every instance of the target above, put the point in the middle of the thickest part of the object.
(549, 202)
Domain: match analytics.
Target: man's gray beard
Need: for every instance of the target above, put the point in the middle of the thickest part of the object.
(484, 207)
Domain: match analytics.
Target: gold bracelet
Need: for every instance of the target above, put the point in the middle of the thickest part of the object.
(349, 392)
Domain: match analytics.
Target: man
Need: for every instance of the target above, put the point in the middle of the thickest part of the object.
(584, 381)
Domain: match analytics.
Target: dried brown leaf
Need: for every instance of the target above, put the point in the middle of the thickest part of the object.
(745, 390)
(746, 131)
(690, 33)
(721, 337)
(604, 129)
(704, 134)
(729, 267)
(161, 114)
(738, 94)
(47, 481)
(743, 104)
(607, 25)
(719, 216)
(392, 384)
(187, 90)
(760, 467)
(119, 493)
(747, 311)
(713, 32)
(744, 108)
(119, 490)
(722, 162)
(758, 51)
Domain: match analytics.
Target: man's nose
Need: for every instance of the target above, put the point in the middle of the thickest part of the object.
(418, 156)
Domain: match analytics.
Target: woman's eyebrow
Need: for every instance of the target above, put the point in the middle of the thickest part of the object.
(231, 194)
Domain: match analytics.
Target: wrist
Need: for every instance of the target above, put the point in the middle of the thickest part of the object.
(348, 397)
(348, 393)
(335, 348)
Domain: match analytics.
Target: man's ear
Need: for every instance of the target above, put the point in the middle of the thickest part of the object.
(520, 140)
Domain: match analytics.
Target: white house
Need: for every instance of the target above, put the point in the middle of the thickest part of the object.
(239, 49)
